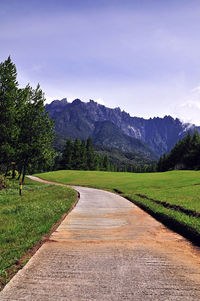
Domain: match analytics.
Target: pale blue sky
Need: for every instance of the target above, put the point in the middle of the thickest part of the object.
(142, 56)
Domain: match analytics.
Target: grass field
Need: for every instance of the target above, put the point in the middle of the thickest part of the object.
(175, 191)
(24, 220)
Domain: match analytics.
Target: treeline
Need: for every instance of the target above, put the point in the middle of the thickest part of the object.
(140, 168)
(26, 131)
(80, 155)
(184, 155)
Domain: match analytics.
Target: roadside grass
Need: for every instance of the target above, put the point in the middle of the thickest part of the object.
(172, 218)
(176, 187)
(25, 220)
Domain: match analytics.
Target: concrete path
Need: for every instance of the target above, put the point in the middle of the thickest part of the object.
(108, 249)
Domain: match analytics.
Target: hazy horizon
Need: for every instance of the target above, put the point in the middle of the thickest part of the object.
(139, 55)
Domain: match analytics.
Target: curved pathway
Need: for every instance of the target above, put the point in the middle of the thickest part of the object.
(109, 249)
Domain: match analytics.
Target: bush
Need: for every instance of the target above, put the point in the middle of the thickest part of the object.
(3, 182)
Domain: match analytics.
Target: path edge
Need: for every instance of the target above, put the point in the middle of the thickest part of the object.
(15, 268)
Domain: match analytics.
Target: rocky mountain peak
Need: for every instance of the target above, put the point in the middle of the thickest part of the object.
(76, 101)
(80, 119)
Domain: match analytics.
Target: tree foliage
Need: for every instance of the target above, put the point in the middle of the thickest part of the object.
(184, 155)
(8, 101)
(80, 155)
(26, 131)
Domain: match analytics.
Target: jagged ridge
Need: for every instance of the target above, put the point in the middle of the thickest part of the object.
(115, 128)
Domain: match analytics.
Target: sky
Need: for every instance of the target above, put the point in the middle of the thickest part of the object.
(140, 55)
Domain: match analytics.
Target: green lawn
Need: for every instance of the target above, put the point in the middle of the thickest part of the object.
(176, 187)
(24, 220)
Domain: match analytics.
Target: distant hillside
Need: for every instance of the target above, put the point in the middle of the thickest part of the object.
(108, 134)
(117, 157)
(116, 128)
(121, 159)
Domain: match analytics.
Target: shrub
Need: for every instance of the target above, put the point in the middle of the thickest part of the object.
(3, 182)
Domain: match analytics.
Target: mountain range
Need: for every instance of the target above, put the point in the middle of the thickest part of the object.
(114, 128)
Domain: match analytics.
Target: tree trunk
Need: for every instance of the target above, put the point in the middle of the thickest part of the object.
(20, 173)
(24, 173)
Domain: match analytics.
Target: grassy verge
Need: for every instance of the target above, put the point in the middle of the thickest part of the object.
(25, 220)
(178, 188)
(186, 225)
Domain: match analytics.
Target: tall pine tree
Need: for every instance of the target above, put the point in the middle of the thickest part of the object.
(26, 131)
(66, 161)
(83, 164)
(90, 155)
(36, 131)
(8, 97)
(76, 157)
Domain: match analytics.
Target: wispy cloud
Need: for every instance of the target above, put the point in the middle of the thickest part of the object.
(189, 109)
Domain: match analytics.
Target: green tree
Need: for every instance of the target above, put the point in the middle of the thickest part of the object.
(106, 163)
(26, 132)
(8, 98)
(191, 157)
(36, 131)
(83, 163)
(81, 156)
(66, 161)
(76, 157)
(185, 154)
(90, 155)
